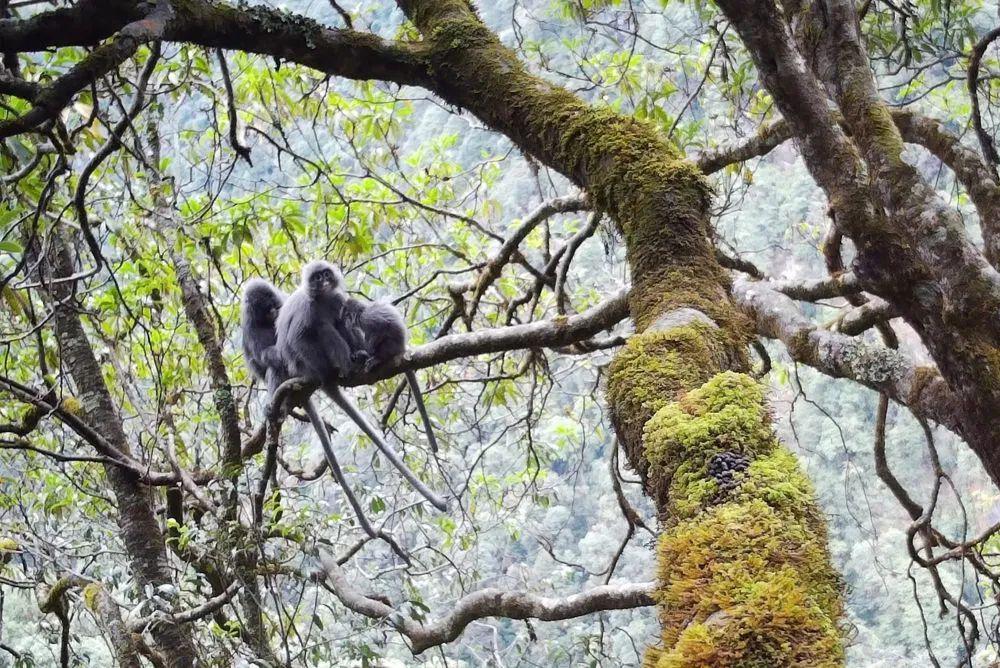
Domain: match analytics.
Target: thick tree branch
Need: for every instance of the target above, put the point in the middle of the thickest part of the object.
(972, 80)
(84, 24)
(969, 169)
(816, 289)
(51, 99)
(257, 29)
(272, 32)
(559, 331)
(837, 355)
(768, 138)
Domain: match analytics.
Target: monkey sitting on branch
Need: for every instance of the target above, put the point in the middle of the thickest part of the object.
(313, 342)
(377, 336)
(261, 304)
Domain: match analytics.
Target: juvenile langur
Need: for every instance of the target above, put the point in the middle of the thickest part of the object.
(260, 308)
(313, 343)
(379, 329)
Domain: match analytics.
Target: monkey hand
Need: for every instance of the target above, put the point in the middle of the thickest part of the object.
(361, 359)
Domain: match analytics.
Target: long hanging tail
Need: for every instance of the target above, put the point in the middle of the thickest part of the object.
(338, 474)
(352, 412)
(418, 397)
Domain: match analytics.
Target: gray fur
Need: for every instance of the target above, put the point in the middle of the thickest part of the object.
(380, 327)
(259, 309)
(309, 326)
(383, 331)
(312, 338)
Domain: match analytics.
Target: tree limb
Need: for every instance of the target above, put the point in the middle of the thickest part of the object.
(489, 602)
(768, 138)
(921, 388)
(51, 99)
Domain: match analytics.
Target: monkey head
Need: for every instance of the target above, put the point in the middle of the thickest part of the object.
(261, 302)
(321, 278)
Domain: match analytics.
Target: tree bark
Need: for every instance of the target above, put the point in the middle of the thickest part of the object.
(912, 249)
(745, 575)
(143, 539)
(681, 402)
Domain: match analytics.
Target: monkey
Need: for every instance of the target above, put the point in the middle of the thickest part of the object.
(260, 307)
(378, 337)
(312, 339)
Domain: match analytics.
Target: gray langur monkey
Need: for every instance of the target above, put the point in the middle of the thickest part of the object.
(379, 335)
(312, 339)
(259, 311)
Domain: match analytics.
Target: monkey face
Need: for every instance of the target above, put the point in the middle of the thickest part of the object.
(261, 303)
(323, 279)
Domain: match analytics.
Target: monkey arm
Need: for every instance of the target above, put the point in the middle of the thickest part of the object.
(335, 350)
(271, 357)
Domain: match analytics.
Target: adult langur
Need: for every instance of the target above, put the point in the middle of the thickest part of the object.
(261, 304)
(312, 339)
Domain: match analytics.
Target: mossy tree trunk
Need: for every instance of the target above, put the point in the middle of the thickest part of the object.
(745, 574)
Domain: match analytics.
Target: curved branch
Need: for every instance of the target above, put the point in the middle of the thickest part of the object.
(972, 80)
(768, 138)
(543, 212)
(812, 290)
(185, 616)
(559, 331)
(979, 181)
(489, 602)
(110, 454)
(281, 34)
(51, 99)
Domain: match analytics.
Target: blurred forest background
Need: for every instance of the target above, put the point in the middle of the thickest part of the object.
(407, 195)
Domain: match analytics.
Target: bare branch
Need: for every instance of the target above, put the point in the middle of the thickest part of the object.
(768, 138)
(972, 80)
(816, 289)
(559, 331)
(483, 603)
(51, 99)
(227, 82)
(208, 607)
(492, 270)
(979, 181)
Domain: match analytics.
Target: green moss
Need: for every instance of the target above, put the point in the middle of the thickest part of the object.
(655, 368)
(725, 414)
(8, 546)
(745, 584)
(724, 550)
(745, 575)
(777, 479)
(90, 594)
(71, 405)
(54, 595)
